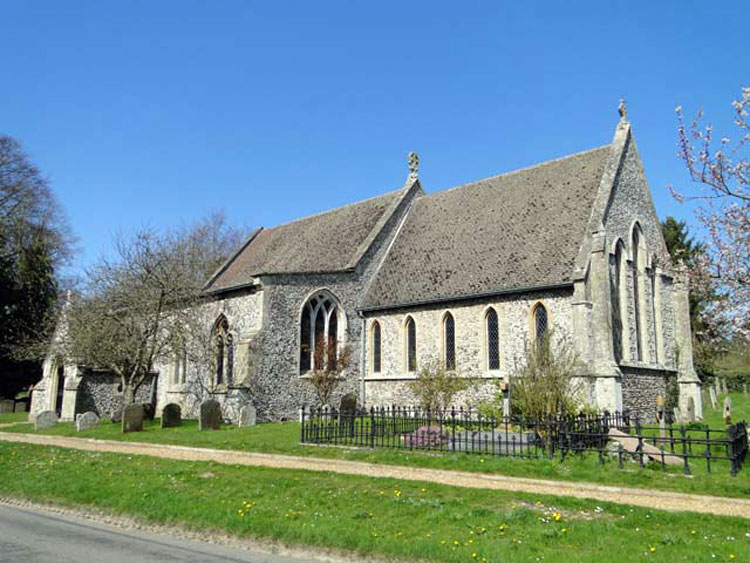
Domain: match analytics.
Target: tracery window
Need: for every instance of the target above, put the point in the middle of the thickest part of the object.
(492, 337)
(449, 342)
(319, 333)
(376, 351)
(223, 352)
(411, 345)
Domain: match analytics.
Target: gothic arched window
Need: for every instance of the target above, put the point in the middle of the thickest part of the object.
(376, 351)
(492, 338)
(541, 323)
(411, 345)
(449, 342)
(639, 292)
(619, 299)
(319, 333)
(223, 352)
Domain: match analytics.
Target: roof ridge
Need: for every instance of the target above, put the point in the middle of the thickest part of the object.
(519, 170)
(340, 207)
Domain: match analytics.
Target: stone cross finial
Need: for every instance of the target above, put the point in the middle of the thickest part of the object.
(413, 165)
(622, 109)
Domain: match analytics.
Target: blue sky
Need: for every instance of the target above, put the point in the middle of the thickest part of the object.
(155, 113)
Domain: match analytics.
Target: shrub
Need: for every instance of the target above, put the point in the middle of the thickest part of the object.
(435, 388)
(426, 437)
(544, 384)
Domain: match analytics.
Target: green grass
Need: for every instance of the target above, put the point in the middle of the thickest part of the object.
(14, 417)
(283, 438)
(715, 418)
(386, 517)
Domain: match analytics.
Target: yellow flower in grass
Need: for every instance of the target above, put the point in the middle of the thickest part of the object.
(652, 549)
(557, 516)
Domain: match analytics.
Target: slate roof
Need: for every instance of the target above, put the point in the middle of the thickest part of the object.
(510, 232)
(326, 242)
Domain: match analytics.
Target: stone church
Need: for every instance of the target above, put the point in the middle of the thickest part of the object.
(468, 277)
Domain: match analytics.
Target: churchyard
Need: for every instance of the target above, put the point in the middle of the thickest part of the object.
(284, 438)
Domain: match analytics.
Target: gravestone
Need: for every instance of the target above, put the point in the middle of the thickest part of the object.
(171, 415)
(210, 417)
(744, 388)
(20, 407)
(248, 416)
(348, 405)
(723, 385)
(712, 396)
(87, 421)
(132, 418)
(676, 414)
(728, 410)
(690, 410)
(45, 419)
(6, 406)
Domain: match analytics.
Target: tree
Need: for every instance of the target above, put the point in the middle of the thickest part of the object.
(35, 242)
(136, 305)
(723, 175)
(330, 362)
(435, 387)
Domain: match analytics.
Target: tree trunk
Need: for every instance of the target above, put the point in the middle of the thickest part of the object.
(128, 395)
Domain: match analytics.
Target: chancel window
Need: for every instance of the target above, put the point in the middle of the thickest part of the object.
(319, 333)
(492, 339)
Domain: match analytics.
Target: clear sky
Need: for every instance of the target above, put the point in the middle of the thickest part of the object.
(157, 112)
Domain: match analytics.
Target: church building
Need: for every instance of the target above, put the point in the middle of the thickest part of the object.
(468, 277)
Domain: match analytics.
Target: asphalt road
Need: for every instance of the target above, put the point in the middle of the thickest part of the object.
(34, 536)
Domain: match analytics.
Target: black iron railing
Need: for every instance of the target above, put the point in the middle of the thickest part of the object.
(610, 435)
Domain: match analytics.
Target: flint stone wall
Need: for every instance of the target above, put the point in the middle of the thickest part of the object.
(98, 393)
(640, 387)
(514, 325)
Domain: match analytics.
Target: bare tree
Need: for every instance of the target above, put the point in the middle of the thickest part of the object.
(139, 304)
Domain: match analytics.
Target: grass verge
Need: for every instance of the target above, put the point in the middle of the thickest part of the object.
(407, 520)
(283, 438)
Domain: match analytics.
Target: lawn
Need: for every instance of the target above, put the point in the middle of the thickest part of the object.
(408, 520)
(14, 417)
(284, 438)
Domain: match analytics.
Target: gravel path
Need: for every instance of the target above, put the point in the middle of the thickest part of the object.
(662, 500)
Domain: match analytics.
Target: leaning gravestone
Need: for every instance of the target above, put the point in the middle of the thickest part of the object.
(690, 410)
(6, 405)
(45, 419)
(20, 407)
(171, 415)
(210, 417)
(728, 410)
(248, 416)
(132, 418)
(87, 421)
